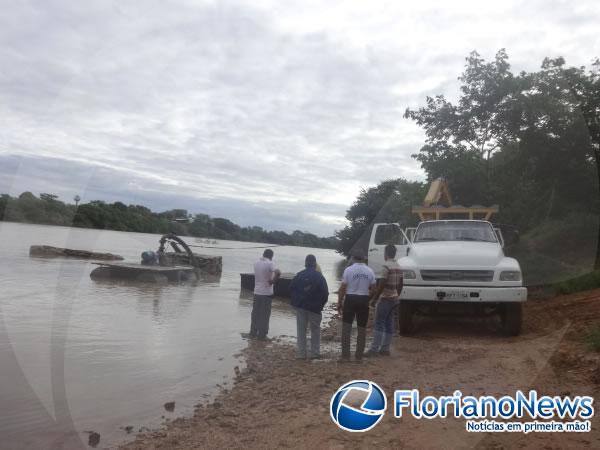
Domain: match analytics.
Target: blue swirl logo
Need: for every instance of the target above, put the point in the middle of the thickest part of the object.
(358, 419)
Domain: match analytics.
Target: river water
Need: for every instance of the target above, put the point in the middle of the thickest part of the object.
(78, 355)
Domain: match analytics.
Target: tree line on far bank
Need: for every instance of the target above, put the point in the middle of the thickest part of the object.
(529, 142)
(47, 209)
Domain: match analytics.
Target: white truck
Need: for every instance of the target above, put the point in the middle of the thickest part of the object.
(452, 263)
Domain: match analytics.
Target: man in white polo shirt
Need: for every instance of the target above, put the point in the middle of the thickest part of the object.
(265, 276)
(357, 286)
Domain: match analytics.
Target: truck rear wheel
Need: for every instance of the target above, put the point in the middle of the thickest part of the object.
(512, 318)
(405, 321)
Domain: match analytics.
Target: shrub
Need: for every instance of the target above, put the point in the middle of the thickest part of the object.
(581, 283)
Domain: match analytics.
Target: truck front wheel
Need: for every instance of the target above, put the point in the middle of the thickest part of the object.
(405, 321)
(511, 315)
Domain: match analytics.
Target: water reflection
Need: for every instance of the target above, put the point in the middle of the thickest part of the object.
(246, 294)
(101, 355)
(279, 304)
(155, 294)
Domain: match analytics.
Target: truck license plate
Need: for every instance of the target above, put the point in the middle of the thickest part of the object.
(454, 295)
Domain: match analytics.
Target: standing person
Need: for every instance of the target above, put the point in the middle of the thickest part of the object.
(265, 276)
(309, 295)
(358, 281)
(386, 298)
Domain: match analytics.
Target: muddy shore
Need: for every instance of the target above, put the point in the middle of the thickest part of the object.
(278, 402)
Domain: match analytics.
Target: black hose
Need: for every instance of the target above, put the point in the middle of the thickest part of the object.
(234, 248)
(174, 240)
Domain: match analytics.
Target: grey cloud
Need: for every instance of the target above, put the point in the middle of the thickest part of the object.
(219, 105)
(46, 175)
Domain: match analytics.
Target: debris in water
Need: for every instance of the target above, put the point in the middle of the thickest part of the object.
(47, 251)
(93, 438)
(169, 406)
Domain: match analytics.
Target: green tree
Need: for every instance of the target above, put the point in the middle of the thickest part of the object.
(200, 225)
(582, 89)
(462, 137)
(48, 197)
(390, 201)
(4, 199)
(507, 131)
(530, 142)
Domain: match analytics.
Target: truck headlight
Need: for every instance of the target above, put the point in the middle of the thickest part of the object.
(409, 274)
(510, 275)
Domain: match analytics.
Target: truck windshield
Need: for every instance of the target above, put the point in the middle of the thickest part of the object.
(455, 231)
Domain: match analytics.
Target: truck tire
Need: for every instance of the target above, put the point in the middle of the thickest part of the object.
(512, 318)
(405, 321)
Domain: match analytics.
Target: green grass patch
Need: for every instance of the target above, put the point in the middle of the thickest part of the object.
(593, 339)
(581, 283)
(559, 250)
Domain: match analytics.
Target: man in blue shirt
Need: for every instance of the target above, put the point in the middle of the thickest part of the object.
(309, 294)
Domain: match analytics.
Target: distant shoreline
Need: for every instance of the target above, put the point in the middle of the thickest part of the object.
(99, 215)
(153, 233)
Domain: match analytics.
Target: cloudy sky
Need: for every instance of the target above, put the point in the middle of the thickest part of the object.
(268, 113)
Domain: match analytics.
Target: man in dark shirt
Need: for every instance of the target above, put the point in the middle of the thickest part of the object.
(309, 294)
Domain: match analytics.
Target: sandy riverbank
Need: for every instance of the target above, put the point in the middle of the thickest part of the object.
(278, 402)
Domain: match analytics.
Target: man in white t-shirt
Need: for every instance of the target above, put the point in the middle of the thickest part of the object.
(358, 282)
(265, 276)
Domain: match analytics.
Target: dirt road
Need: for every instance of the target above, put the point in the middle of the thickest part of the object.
(278, 402)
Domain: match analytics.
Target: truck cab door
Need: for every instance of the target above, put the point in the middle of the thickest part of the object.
(382, 235)
(499, 236)
(410, 233)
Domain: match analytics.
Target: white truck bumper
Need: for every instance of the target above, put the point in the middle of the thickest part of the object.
(464, 294)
